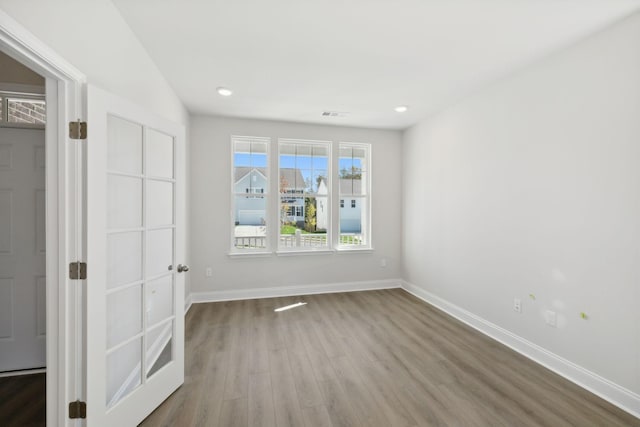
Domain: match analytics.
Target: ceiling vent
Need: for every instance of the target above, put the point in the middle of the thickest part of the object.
(334, 114)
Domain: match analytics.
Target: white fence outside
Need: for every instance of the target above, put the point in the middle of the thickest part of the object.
(297, 240)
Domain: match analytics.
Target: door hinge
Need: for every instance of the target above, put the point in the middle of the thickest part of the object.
(78, 270)
(77, 409)
(78, 130)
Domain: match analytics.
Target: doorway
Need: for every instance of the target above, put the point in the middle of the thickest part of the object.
(59, 159)
(22, 234)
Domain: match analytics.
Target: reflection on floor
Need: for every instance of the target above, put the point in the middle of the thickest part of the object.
(23, 401)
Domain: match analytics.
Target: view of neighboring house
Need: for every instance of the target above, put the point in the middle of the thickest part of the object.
(251, 210)
(350, 208)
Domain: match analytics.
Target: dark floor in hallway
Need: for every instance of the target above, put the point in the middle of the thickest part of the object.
(23, 401)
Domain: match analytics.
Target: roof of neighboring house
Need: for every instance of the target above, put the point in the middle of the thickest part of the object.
(347, 186)
(292, 176)
(241, 172)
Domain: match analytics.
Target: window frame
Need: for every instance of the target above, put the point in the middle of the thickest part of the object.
(365, 200)
(329, 241)
(335, 200)
(266, 195)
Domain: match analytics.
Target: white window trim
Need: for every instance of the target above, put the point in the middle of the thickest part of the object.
(267, 195)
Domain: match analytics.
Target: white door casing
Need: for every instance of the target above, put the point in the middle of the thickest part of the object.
(135, 241)
(22, 249)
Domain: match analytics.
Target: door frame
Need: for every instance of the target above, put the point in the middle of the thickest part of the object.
(65, 87)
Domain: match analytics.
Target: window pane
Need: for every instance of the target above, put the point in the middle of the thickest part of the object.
(304, 222)
(250, 167)
(353, 161)
(250, 230)
(303, 168)
(353, 222)
(352, 170)
(250, 186)
(304, 194)
(26, 111)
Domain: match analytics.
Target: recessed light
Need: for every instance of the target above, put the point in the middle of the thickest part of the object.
(401, 109)
(223, 91)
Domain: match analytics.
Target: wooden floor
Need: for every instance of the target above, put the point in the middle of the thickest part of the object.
(379, 358)
(23, 401)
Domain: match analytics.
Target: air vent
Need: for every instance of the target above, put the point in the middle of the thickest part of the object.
(334, 114)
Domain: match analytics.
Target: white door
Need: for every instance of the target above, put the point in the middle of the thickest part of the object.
(135, 248)
(22, 249)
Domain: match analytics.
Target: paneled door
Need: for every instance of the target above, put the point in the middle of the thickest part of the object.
(135, 260)
(22, 249)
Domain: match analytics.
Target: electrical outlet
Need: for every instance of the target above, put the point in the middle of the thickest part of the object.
(551, 318)
(208, 272)
(383, 262)
(517, 305)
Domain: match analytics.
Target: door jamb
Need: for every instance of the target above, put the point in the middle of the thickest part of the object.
(65, 87)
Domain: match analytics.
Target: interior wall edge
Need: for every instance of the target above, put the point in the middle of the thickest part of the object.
(607, 390)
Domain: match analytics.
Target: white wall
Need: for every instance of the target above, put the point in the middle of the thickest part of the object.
(533, 186)
(210, 210)
(93, 36)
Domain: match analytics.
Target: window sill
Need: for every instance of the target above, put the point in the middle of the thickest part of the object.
(307, 252)
(354, 250)
(249, 254)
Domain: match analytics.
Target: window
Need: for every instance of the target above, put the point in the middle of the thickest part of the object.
(250, 184)
(353, 176)
(304, 194)
(22, 110)
(284, 202)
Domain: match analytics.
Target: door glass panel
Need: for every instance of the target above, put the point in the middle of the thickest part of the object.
(124, 315)
(124, 146)
(159, 154)
(140, 250)
(159, 203)
(125, 202)
(159, 347)
(159, 300)
(124, 258)
(159, 251)
(124, 372)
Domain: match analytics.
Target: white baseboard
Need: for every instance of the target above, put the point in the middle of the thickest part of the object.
(188, 302)
(285, 291)
(609, 391)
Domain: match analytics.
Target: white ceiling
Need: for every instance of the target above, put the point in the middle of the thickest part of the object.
(292, 59)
